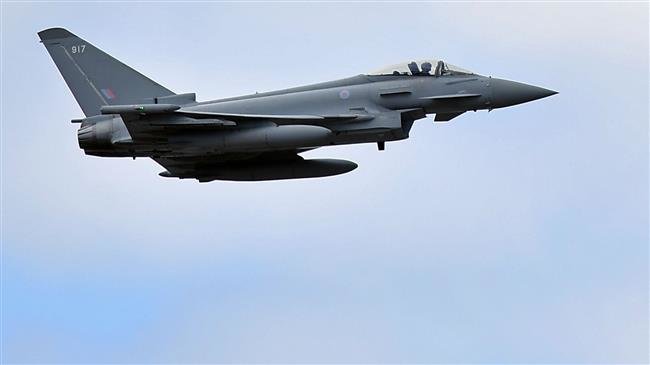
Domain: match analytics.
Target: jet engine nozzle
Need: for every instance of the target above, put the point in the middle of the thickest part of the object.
(95, 135)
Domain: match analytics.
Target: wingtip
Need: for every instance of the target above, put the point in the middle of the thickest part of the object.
(54, 33)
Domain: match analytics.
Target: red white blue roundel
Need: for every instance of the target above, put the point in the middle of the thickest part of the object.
(108, 93)
(344, 94)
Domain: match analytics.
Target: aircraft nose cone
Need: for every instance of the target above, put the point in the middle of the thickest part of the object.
(507, 93)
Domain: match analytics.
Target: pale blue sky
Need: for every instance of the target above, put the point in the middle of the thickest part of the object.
(519, 235)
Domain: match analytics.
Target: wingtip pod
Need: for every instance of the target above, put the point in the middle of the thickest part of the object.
(54, 33)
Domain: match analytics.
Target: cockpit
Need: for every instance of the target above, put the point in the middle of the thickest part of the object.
(421, 68)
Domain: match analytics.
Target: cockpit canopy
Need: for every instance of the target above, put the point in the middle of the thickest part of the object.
(430, 67)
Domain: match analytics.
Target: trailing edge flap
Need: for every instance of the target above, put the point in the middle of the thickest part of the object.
(445, 117)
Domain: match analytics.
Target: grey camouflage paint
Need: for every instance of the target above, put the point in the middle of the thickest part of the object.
(258, 137)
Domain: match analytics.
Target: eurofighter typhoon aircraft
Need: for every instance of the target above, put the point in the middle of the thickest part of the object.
(260, 137)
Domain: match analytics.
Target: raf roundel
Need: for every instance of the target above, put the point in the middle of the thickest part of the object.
(344, 94)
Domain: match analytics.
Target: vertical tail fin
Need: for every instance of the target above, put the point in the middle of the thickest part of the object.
(94, 77)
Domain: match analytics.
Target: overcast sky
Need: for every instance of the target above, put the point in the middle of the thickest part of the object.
(519, 235)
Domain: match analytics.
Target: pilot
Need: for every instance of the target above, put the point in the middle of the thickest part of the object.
(440, 67)
(413, 67)
(426, 68)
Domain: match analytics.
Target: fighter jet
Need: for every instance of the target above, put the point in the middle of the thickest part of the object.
(261, 136)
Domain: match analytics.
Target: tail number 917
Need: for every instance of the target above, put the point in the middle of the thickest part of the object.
(80, 48)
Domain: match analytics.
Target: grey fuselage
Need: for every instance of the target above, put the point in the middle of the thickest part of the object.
(260, 136)
(384, 107)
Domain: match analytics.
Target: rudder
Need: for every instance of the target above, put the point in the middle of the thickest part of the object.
(94, 77)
